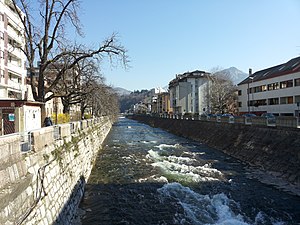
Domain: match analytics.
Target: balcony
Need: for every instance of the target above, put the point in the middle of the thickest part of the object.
(15, 65)
(14, 85)
(14, 34)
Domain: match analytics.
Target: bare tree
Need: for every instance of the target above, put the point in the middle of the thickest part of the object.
(76, 83)
(221, 93)
(101, 100)
(46, 43)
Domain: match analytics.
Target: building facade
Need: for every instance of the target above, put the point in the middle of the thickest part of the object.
(163, 103)
(189, 93)
(12, 59)
(274, 90)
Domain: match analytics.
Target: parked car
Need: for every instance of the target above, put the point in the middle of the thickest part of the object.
(227, 115)
(249, 115)
(268, 115)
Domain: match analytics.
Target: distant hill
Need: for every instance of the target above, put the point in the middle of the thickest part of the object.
(121, 91)
(126, 101)
(236, 74)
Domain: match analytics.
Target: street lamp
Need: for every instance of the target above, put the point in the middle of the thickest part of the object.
(248, 91)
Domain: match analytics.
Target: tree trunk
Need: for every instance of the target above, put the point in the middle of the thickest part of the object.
(66, 105)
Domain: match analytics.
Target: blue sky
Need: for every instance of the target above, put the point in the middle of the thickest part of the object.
(169, 37)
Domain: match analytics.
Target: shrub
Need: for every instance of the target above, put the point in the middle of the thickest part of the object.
(61, 118)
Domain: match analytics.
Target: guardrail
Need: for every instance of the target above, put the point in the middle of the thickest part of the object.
(280, 121)
(37, 139)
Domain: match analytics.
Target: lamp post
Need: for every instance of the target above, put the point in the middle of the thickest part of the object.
(248, 91)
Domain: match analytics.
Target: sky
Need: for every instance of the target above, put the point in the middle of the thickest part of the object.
(168, 37)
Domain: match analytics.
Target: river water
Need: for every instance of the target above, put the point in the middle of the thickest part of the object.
(146, 176)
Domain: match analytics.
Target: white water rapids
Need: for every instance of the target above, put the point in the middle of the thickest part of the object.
(145, 176)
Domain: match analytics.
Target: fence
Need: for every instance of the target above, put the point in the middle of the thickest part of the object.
(35, 139)
(280, 121)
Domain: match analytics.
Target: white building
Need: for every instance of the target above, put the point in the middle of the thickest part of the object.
(189, 93)
(12, 59)
(274, 90)
(17, 112)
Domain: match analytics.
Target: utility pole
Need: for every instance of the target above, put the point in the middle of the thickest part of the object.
(248, 90)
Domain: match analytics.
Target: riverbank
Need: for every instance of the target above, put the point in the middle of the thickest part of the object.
(272, 150)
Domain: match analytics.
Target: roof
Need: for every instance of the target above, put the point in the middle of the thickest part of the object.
(289, 67)
(182, 77)
(18, 103)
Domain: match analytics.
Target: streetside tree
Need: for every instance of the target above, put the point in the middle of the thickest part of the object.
(221, 93)
(77, 83)
(101, 100)
(46, 42)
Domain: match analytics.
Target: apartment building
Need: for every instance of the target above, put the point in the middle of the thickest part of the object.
(163, 103)
(189, 92)
(12, 59)
(274, 90)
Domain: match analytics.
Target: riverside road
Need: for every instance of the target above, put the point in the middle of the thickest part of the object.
(146, 176)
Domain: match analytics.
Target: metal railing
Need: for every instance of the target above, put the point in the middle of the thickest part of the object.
(280, 121)
(27, 140)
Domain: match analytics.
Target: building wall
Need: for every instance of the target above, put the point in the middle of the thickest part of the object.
(163, 103)
(32, 115)
(45, 186)
(12, 59)
(284, 107)
(190, 96)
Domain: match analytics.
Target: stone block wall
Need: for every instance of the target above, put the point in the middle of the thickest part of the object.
(45, 185)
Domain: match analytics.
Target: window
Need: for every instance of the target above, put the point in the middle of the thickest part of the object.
(240, 104)
(295, 64)
(1, 35)
(264, 87)
(260, 102)
(273, 101)
(297, 82)
(290, 100)
(286, 100)
(286, 84)
(273, 86)
(1, 54)
(257, 89)
(270, 87)
(297, 98)
(240, 92)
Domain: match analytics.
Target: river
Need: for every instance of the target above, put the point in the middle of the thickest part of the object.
(146, 176)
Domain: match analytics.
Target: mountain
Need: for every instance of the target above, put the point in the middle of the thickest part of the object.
(121, 91)
(236, 74)
(126, 101)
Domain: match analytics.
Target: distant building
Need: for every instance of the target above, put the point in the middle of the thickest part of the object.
(189, 93)
(274, 90)
(163, 103)
(12, 59)
(152, 99)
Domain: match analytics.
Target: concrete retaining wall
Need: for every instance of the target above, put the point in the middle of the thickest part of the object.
(45, 185)
(276, 150)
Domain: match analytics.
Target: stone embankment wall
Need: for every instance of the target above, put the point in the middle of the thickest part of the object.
(45, 185)
(276, 150)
